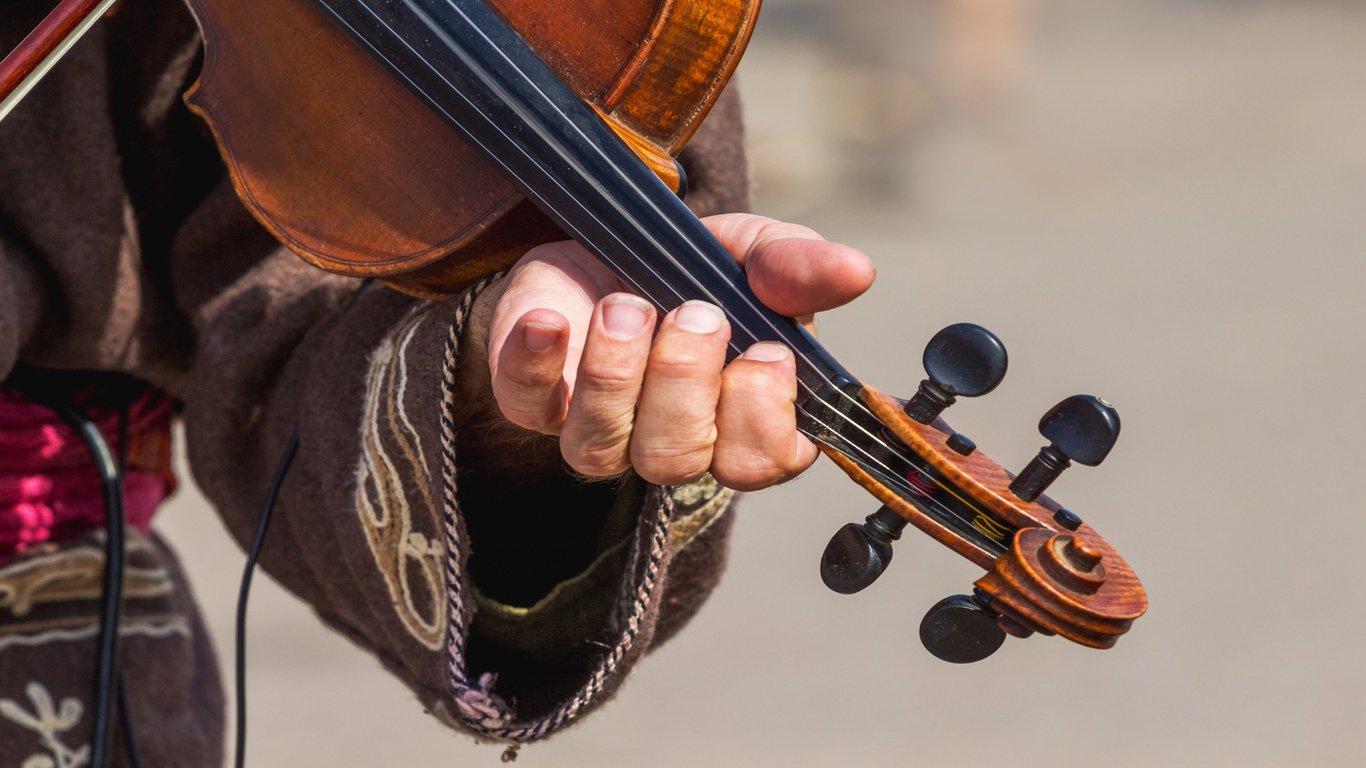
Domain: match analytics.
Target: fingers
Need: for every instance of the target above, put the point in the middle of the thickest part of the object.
(568, 357)
(672, 410)
(676, 420)
(536, 332)
(597, 430)
(651, 407)
(791, 268)
(758, 443)
(528, 379)
(560, 278)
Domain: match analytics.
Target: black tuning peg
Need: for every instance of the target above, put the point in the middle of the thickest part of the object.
(1082, 428)
(963, 360)
(858, 553)
(961, 629)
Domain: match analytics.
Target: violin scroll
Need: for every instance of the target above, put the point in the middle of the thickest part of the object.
(1048, 572)
(1069, 584)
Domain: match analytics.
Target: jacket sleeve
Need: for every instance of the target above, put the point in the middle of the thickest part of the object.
(462, 556)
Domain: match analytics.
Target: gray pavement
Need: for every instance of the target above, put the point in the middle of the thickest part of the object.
(1160, 202)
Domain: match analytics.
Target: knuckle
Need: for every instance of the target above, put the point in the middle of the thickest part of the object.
(529, 378)
(681, 364)
(602, 466)
(751, 466)
(540, 410)
(687, 356)
(600, 452)
(529, 399)
(673, 461)
(745, 469)
(746, 478)
(791, 464)
(760, 383)
(597, 469)
(609, 378)
(527, 418)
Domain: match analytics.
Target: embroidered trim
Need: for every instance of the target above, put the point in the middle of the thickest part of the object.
(72, 631)
(700, 504)
(76, 573)
(49, 722)
(381, 499)
(478, 708)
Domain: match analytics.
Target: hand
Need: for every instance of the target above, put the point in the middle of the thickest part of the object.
(571, 354)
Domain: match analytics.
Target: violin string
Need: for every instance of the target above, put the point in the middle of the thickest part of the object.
(905, 489)
(487, 151)
(813, 394)
(642, 196)
(645, 231)
(900, 480)
(896, 478)
(511, 172)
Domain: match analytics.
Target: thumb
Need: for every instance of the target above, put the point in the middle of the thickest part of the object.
(553, 286)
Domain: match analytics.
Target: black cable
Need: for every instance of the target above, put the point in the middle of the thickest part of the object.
(126, 725)
(107, 648)
(130, 744)
(244, 591)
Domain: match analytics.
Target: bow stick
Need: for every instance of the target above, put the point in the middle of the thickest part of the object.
(44, 47)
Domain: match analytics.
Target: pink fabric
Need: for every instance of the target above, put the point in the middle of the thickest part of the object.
(50, 489)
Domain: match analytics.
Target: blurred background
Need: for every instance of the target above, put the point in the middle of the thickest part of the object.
(1163, 203)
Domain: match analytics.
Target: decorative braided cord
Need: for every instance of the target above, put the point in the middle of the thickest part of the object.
(478, 707)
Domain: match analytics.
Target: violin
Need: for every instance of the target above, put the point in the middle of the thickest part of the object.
(431, 142)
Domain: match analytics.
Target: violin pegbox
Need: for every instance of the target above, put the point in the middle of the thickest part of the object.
(961, 360)
(1047, 571)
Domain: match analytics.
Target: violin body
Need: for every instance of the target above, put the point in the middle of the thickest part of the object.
(396, 200)
(341, 162)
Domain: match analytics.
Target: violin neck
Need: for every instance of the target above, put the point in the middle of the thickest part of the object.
(474, 71)
(459, 57)
(481, 76)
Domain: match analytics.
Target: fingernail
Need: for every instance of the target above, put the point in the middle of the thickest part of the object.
(699, 317)
(624, 316)
(766, 352)
(541, 336)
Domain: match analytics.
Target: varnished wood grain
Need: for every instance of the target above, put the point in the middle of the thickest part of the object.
(1028, 585)
(986, 481)
(1020, 588)
(340, 162)
(910, 513)
(56, 27)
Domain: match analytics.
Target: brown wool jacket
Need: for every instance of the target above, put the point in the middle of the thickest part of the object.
(123, 249)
